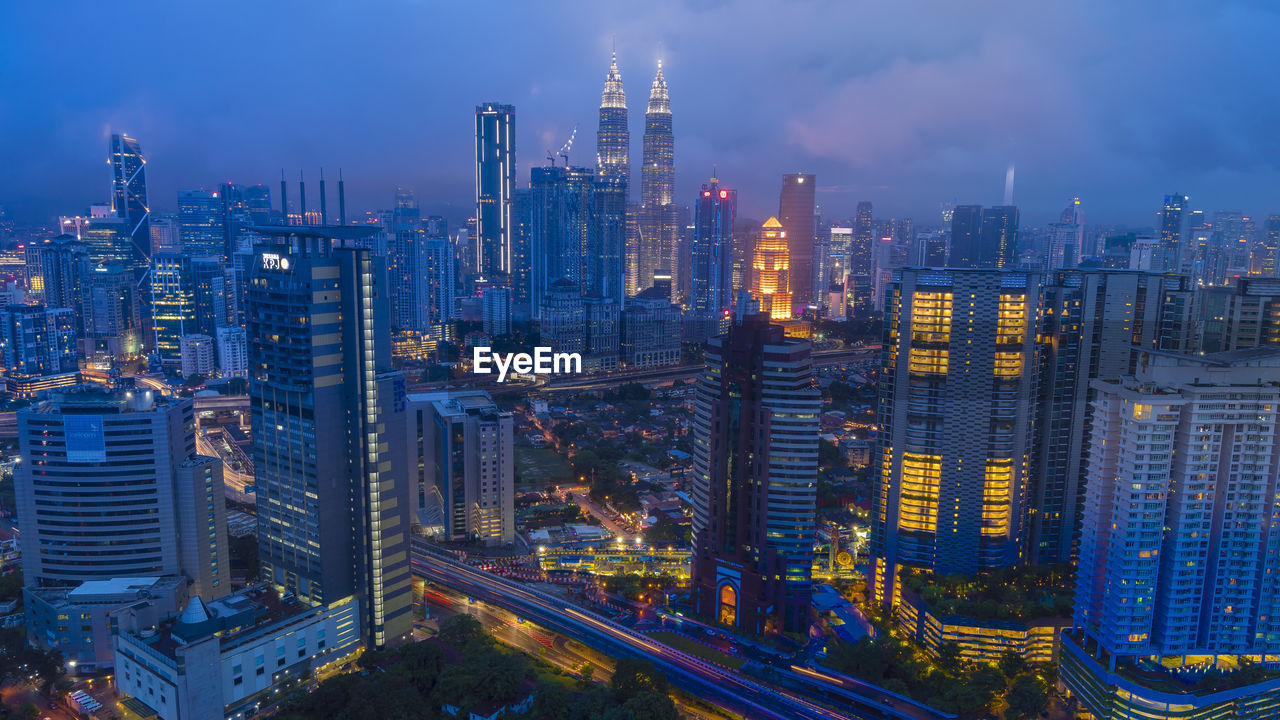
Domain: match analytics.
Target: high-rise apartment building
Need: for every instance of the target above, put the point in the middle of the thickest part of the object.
(495, 310)
(650, 331)
(966, 237)
(956, 429)
(129, 202)
(657, 225)
(797, 215)
(862, 242)
(465, 462)
(38, 348)
(711, 271)
(563, 322)
(196, 356)
(999, 236)
(1171, 232)
(771, 271)
(755, 478)
(495, 188)
(333, 507)
(1094, 325)
(1247, 315)
(112, 315)
(57, 271)
(1177, 577)
(233, 352)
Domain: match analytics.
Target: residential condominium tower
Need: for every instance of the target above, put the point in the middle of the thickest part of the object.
(956, 428)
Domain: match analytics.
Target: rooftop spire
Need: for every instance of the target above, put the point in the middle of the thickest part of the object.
(613, 96)
(659, 101)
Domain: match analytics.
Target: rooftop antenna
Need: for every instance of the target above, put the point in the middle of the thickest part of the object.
(342, 201)
(302, 198)
(322, 198)
(284, 199)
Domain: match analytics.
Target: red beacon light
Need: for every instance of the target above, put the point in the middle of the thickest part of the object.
(724, 194)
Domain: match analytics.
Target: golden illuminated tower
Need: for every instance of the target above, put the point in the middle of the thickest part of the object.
(771, 271)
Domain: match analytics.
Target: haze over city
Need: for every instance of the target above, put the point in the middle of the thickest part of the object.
(907, 105)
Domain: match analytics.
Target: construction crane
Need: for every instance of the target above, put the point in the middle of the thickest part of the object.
(564, 149)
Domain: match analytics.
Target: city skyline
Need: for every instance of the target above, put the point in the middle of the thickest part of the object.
(908, 125)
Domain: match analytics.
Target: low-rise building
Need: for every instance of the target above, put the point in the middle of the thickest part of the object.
(228, 657)
(979, 639)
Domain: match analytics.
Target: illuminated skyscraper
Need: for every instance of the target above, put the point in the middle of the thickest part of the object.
(561, 229)
(495, 188)
(711, 271)
(173, 303)
(658, 227)
(1262, 261)
(755, 469)
(200, 223)
(771, 271)
(1171, 245)
(613, 139)
(129, 199)
(863, 241)
(1066, 237)
(956, 428)
(999, 235)
(328, 414)
(796, 213)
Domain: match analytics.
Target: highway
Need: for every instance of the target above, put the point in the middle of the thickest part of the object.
(721, 686)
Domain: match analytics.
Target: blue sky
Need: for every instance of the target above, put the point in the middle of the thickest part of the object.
(907, 104)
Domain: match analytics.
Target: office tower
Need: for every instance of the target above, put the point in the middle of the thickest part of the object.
(603, 274)
(496, 309)
(333, 517)
(999, 236)
(38, 348)
(257, 200)
(200, 223)
(106, 238)
(127, 507)
(113, 327)
(1232, 238)
(173, 303)
(521, 259)
(600, 323)
(236, 217)
(862, 241)
(613, 139)
(711, 272)
(1094, 324)
(166, 234)
(196, 355)
(56, 273)
(233, 352)
(1177, 571)
(1171, 245)
(1262, 259)
(1066, 237)
(650, 332)
(464, 444)
(836, 265)
(440, 293)
(956, 429)
(214, 293)
(755, 477)
(495, 185)
(657, 188)
(406, 237)
(562, 225)
(966, 237)
(129, 202)
(562, 320)
(796, 213)
(770, 271)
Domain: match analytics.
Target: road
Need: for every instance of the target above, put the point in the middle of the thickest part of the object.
(723, 687)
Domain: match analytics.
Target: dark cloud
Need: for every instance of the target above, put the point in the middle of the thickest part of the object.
(907, 104)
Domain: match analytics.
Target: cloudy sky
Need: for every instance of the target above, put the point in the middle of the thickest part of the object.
(907, 104)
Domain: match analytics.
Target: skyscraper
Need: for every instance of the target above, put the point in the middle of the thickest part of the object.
(562, 225)
(999, 235)
(37, 348)
(613, 139)
(495, 188)
(966, 237)
(1178, 571)
(770, 271)
(113, 328)
(711, 271)
(1266, 251)
(956, 429)
(755, 478)
(1066, 238)
(200, 223)
(863, 241)
(57, 271)
(173, 303)
(1095, 323)
(129, 199)
(327, 413)
(657, 187)
(796, 213)
(1171, 246)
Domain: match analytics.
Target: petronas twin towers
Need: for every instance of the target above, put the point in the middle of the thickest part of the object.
(652, 240)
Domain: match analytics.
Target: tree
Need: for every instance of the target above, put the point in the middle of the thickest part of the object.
(587, 677)
(463, 632)
(1011, 663)
(633, 676)
(648, 705)
(1027, 696)
(949, 657)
